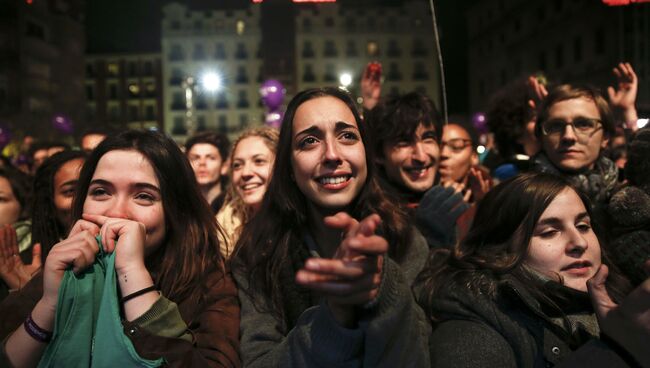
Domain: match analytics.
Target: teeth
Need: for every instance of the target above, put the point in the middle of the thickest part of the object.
(250, 186)
(333, 180)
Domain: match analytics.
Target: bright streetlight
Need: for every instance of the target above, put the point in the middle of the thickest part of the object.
(211, 81)
(345, 79)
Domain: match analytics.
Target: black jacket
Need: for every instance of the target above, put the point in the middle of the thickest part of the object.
(512, 329)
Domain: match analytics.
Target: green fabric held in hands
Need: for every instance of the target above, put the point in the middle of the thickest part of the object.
(88, 330)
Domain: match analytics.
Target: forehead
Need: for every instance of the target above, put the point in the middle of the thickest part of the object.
(566, 204)
(323, 112)
(203, 149)
(70, 168)
(251, 146)
(4, 185)
(582, 106)
(454, 131)
(125, 167)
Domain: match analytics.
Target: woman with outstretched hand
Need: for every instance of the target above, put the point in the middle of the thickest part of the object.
(325, 267)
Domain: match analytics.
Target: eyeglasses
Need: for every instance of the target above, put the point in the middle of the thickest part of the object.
(456, 144)
(581, 126)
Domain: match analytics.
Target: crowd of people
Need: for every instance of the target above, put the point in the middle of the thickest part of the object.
(374, 236)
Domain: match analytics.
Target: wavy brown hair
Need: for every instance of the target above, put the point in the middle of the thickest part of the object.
(190, 250)
(264, 248)
(497, 243)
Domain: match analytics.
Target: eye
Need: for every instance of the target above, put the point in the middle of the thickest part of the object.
(98, 192)
(236, 165)
(584, 227)
(144, 197)
(68, 192)
(307, 142)
(548, 233)
(260, 161)
(350, 136)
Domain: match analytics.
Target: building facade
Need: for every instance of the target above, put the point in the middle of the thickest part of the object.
(568, 41)
(124, 91)
(41, 65)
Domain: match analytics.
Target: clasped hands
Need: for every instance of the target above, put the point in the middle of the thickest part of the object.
(352, 277)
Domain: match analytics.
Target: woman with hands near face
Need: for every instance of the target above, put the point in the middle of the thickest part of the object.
(325, 267)
(137, 195)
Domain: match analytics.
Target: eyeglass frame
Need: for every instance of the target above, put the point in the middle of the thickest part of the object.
(468, 143)
(598, 125)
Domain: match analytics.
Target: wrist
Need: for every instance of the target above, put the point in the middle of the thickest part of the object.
(132, 279)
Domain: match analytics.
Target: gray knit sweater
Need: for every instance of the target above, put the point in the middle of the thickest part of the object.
(391, 333)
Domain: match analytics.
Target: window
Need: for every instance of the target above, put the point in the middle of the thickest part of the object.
(90, 92)
(177, 77)
(199, 52)
(179, 126)
(176, 53)
(330, 73)
(351, 49)
(150, 112)
(148, 68)
(393, 72)
(114, 113)
(419, 48)
(134, 113)
(200, 123)
(201, 103)
(308, 76)
(420, 72)
(241, 52)
(220, 52)
(132, 68)
(242, 77)
(134, 90)
(222, 101)
(307, 50)
(393, 49)
(112, 91)
(242, 102)
(222, 124)
(306, 24)
(372, 49)
(178, 101)
(113, 69)
(330, 49)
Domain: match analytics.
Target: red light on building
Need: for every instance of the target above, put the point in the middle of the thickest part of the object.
(29, 2)
(623, 2)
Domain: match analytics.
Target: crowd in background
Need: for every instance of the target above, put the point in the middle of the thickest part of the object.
(354, 236)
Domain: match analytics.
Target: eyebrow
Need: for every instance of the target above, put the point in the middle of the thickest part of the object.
(69, 182)
(340, 125)
(135, 185)
(555, 220)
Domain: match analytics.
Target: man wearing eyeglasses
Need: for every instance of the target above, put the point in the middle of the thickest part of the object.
(574, 125)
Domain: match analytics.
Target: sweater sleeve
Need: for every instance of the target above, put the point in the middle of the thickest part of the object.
(391, 332)
(461, 343)
(210, 338)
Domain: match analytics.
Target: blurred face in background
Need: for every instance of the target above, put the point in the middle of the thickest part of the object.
(90, 141)
(64, 186)
(252, 161)
(9, 206)
(207, 164)
(457, 155)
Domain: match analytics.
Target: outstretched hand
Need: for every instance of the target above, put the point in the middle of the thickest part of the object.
(624, 97)
(370, 88)
(352, 277)
(628, 323)
(12, 269)
(539, 91)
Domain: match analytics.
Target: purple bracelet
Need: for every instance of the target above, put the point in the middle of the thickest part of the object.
(35, 331)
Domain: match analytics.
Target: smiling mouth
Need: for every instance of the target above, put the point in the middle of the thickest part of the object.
(333, 180)
(250, 186)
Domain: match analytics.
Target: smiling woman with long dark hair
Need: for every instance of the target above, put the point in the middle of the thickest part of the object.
(325, 266)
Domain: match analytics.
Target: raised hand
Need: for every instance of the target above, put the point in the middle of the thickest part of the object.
(370, 86)
(628, 323)
(353, 276)
(479, 183)
(624, 97)
(539, 91)
(12, 269)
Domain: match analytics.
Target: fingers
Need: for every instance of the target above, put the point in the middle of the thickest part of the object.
(368, 225)
(97, 219)
(345, 288)
(598, 292)
(79, 253)
(467, 195)
(341, 221)
(83, 225)
(37, 261)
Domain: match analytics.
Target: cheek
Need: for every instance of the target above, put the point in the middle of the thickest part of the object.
(544, 256)
(236, 177)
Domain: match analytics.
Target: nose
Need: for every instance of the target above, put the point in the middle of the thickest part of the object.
(118, 209)
(577, 244)
(569, 133)
(247, 171)
(332, 154)
(418, 152)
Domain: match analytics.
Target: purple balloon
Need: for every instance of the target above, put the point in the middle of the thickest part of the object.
(272, 92)
(480, 122)
(274, 119)
(62, 123)
(5, 136)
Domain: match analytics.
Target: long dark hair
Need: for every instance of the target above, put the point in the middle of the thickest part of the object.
(265, 246)
(46, 228)
(498, 241)
(191, 247)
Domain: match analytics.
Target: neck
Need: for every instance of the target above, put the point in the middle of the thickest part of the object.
(326, 238)
(211, 191)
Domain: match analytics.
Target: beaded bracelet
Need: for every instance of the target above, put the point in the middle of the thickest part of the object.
(35, 331)
(138, 293)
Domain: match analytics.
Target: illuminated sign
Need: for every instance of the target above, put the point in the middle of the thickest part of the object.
(623, 2)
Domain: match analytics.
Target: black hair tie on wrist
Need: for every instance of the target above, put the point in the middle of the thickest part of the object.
(138, 293)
